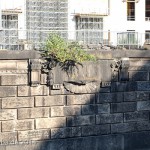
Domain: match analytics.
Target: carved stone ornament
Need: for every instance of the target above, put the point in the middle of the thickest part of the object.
(116, 66)
(81, 86)
(120, 67)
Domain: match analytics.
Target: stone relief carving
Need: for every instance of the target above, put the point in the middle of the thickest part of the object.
(116, 66)
(120, 69)
(81, 86)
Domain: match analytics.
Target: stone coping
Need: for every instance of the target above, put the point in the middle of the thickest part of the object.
(101, 54)
(16, 55)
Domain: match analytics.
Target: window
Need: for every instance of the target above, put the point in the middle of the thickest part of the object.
(147, 36)
(89, 30)
(130, 10)
(10, 21)
(147, 10)
(128, 39)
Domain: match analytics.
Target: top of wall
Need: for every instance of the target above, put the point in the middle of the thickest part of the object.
(16, 55)
(101, 54)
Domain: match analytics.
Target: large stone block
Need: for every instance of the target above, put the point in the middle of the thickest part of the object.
(33, 91)
(33, 135)
(143, 86)
(50, 122)
(143, 126)
(8, 114)
(7, 91)
(95, 130)
(17, 125)
(17, 102)
(80, 120)
(38, 112)
(7, 138)
(80, 99)
(24, 91)
(109, 118)
(123, 107)
(123, 127)
(65, 111)
(124, 86)
(89, 109)
(21, 79)
(13, 65)
(138, 76)
(109, 97)
(103, 108)
(136, 96)
(40, 90)
(136, 116)
(137, 141)
(50, 100)
(143, 105)
(43, 78)
(65, 132)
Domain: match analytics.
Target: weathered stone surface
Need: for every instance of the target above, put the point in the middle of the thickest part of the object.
(18, 55)
(50, 122)
(7, 91)
(17, 125)
(143, 105)
(80, 120)
(90, 143)
(89, 109)
(143, 126)
(123, 107)
(65, 111)
(103, 108)
(124, 86)
(43, 78)
(65, 132)
(109, 97)
(21, 79)
(7, 138)
(138, 76)
(123, 127)
(80, 99)
(95, 130)
(50, 100)
(33, 135)
(17, 102)
(143, 86)
(39, 90)
(137, 141)
(33, 91)
(38, 112)
(8, 114)
(109, 118)
(136, 96)
(24, 91)
(136, 116)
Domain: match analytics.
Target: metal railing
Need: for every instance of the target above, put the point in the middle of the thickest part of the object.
(11, 39)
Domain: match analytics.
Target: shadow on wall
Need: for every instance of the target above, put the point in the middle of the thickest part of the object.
(114, 118)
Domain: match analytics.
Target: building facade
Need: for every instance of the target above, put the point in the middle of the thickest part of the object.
(112, 22)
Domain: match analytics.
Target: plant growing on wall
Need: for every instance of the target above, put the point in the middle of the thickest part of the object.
(65, 54)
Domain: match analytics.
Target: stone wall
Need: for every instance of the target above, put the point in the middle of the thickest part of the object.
(104, 105)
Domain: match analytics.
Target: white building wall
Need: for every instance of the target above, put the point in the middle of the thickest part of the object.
(16, 4)
(116, 21)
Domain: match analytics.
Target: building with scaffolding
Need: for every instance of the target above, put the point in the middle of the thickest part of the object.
(89, 22)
